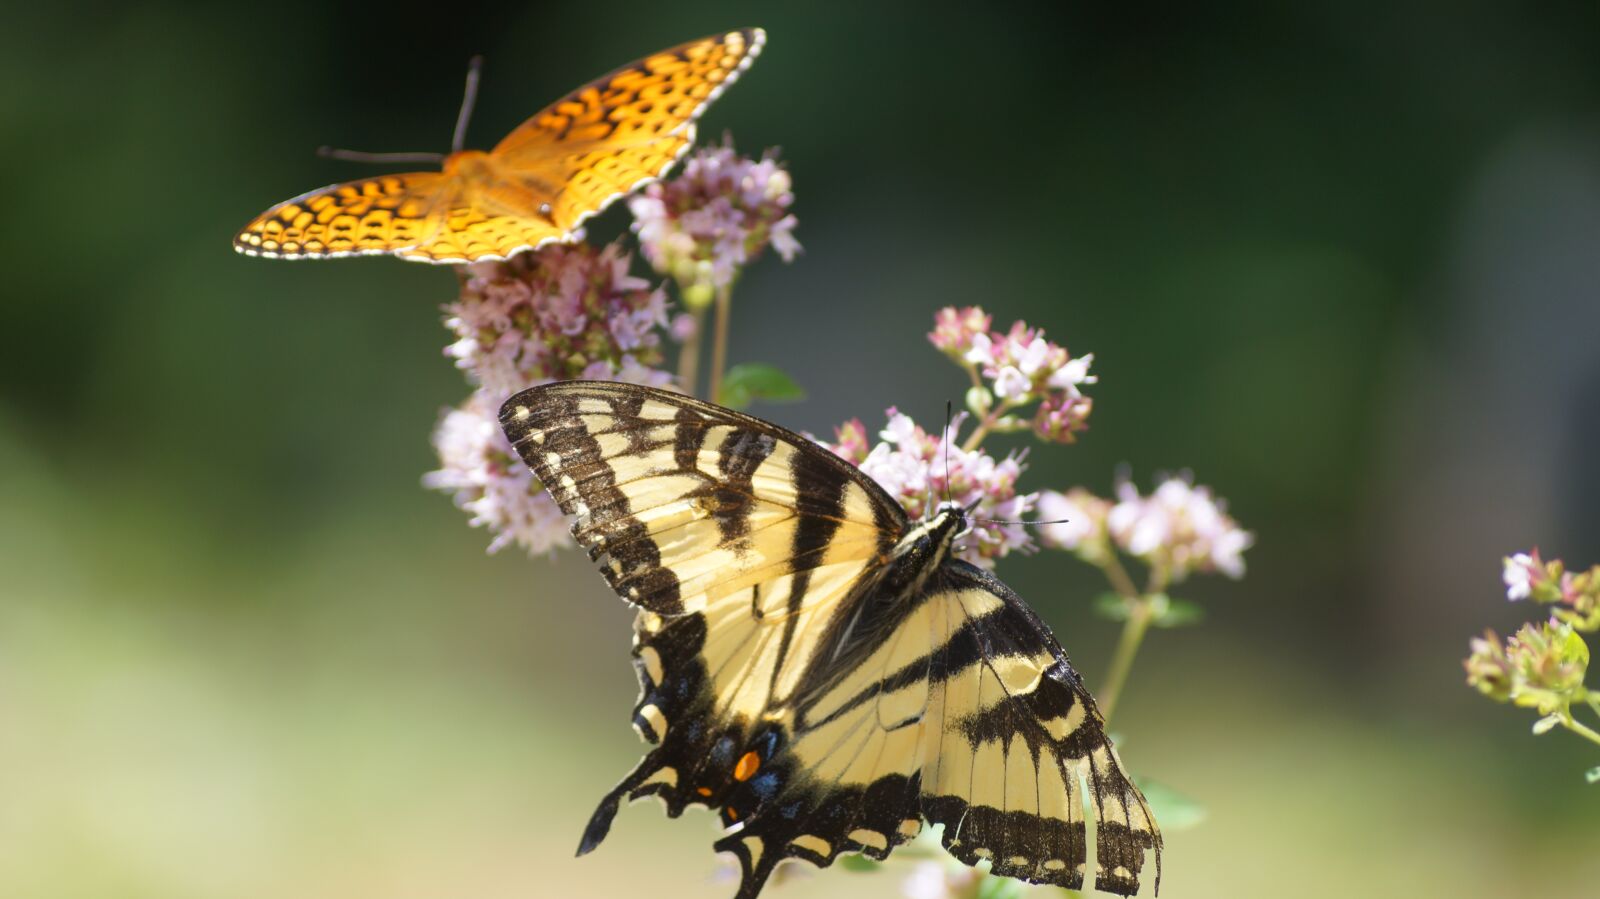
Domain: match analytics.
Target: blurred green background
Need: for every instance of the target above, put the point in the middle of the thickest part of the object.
(1339, 258)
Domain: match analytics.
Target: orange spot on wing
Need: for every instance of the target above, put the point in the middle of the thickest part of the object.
(747, 767)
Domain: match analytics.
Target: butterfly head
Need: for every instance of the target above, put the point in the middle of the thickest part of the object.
(925, 546)
(949, 523)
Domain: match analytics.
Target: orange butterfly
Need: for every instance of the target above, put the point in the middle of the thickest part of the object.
(564, 165)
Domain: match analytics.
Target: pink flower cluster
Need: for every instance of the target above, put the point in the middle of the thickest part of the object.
(567, 311)
(1077, 523)
(1179, 525)
(922, 470)
(721, 211)
(1017, 367)
(1179, 528)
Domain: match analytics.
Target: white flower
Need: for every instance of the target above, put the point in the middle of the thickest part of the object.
(1075, 372)
(1518, 575)
(1032, 355)
(982, 351)
(1227, 553)
(1011, 383)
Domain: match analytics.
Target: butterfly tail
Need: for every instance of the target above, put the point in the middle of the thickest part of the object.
(600, 822)
(1124, 829)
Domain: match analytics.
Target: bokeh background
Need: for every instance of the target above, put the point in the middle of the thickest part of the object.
(1338, 258)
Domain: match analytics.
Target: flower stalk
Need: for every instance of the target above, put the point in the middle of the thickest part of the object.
(689, 353)
(990, 420)
(719, 342)
(1142, 611)
(1578, 727)
(1133, 631)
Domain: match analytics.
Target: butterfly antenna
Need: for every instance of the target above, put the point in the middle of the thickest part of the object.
(468, 99)
(998, 521)
(947, 440)
(380, 158)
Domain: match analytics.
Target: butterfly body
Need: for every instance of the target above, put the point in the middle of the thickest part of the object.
(474, 169)
(537, 186)
(816, 668)
(924, 547)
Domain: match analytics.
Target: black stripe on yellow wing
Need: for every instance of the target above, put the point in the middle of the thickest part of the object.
(960, 708)
(682, 503)
(1017, 728)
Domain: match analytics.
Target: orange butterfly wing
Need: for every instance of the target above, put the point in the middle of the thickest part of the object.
(620, 132)
(372, 216)
(564, 165)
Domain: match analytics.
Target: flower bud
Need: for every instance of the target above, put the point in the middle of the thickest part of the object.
(1487, 668)
(1548, 662)
(698, 295)
(979, 400)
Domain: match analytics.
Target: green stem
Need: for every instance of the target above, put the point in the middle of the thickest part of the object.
(689, 354)
(1133, 631)
(719, 345)
(1579, 728)
(984, 426)
(1120, 581)
(1141, 612)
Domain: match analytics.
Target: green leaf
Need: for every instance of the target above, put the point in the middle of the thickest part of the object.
(1111, 606)
(744, 384)
(1173, 612)
(1573, 649)
(859, 863)
(1165, 611)
(1173, 810)
(1592, 775)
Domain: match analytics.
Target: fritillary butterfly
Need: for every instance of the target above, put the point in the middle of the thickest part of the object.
(559, 168)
